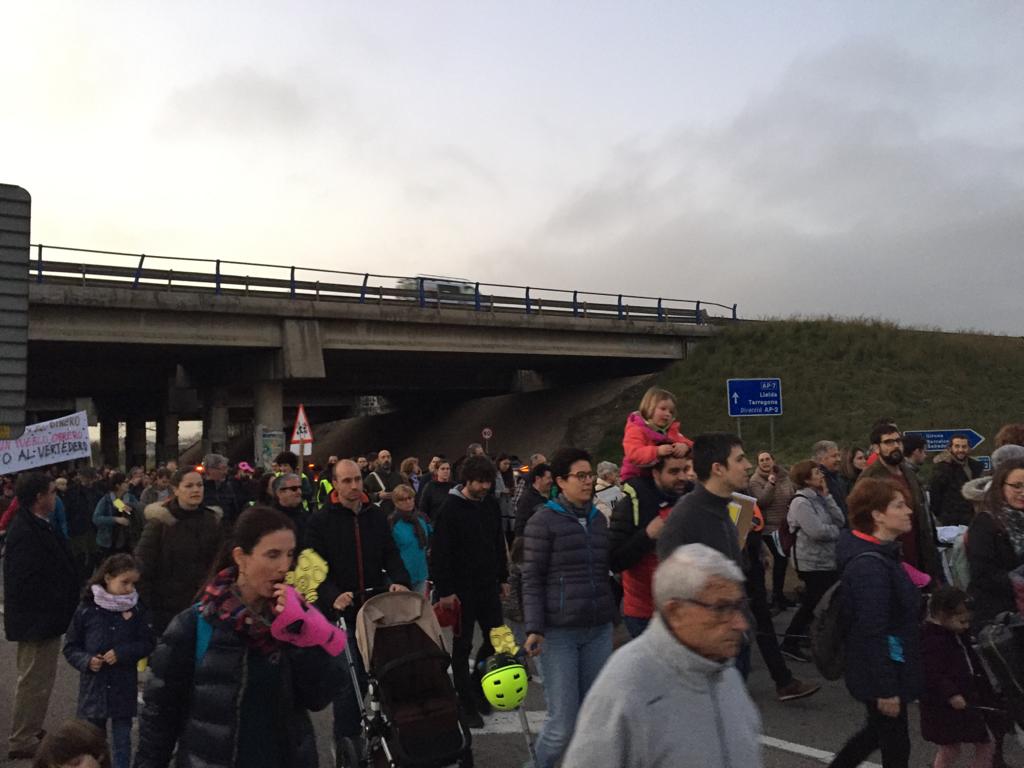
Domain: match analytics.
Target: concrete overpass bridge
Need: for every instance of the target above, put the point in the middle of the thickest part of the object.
(151, 339)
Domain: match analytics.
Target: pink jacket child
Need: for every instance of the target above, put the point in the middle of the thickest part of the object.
(650, 433)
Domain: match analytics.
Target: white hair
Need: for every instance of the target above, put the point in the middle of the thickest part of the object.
(686, 572)
(215, 460)
(822, 447)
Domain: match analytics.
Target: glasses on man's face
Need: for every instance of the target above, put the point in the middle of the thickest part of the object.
(1018, 487)
(583, 476)
(291, 488)
(893, 441)
(723, 611)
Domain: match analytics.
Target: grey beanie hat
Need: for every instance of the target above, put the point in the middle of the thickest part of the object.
(1005, 453)
(974, 490)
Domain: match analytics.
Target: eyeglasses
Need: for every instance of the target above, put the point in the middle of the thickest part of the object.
(723, 611)
(583, 476)
(893, 441)
(290, 488)
(1018, 487)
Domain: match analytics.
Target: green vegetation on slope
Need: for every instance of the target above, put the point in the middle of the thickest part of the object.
(838, 377)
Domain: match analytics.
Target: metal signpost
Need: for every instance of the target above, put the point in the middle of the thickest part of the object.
(487, 433)
(754, 397)
(938, 439)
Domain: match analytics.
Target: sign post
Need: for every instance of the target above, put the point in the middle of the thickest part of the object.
(302, 436)
(754, 397)
(487, 433)
(938, 439)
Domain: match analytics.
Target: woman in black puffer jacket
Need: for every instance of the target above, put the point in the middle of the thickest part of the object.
(223, 690)
(567, 600)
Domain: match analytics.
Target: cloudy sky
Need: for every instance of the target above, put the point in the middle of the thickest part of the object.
(850, 158)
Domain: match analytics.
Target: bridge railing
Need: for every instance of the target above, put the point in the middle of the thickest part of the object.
(221, 277)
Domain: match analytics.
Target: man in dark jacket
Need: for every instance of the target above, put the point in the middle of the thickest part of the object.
(952, 469)
(468, 563)
(826, 453)
(382, 480)
(702, 517)
(219, 491)
(637, 521)
(287, 490)
(355, 540)
(40, 596)
(80, 500)
(535, 494)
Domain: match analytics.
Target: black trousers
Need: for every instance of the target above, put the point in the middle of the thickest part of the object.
(483, 609)
(767, 643)
(817, 584)
(779, 565)
(889, 734)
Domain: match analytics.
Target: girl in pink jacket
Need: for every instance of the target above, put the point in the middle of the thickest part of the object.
(652, 433)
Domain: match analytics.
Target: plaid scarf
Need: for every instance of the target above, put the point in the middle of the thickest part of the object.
(221, 600)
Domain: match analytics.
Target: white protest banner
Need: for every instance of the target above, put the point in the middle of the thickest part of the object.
(48, 442)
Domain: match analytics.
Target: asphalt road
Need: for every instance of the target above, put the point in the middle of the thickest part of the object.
(799, 734)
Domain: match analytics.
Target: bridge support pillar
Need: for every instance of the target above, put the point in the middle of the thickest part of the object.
(135, 442)
(167, 437)
(215, 421)
(269, 406)
(110, 442)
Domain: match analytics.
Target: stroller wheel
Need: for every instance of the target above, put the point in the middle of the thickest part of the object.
(348, 754)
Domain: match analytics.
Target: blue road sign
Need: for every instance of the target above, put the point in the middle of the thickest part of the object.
(754, 397)
(938, 439)
(986, 462)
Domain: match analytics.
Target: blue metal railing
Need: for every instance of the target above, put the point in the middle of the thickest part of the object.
(422, 291)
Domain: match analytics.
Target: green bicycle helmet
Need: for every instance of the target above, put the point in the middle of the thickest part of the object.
(504, 682)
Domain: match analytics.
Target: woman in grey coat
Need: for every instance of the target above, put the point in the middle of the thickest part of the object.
(815, 519)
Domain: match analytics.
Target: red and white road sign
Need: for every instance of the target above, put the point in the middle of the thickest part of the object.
(302, 433)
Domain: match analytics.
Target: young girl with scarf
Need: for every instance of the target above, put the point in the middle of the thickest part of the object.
(108, 636)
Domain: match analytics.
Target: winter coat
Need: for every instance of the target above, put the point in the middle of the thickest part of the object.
(176, 551)
(948, 504)
(111, 535)
(196, 705)
(838, 487)
(40, 580)
(701, 517)
(630, 549)
(223, 495)
(413, 555)
(467, 555)
(565, 569)
(920, 547)
(378, 481)
(773, 498)
(80, 503)
(431, 497)
(881, 611)
(300, 516)
(347, 540)
(527, 504)
(816, 522)
(640, 443)
(991, 557)
(951, 668)
(113, 690)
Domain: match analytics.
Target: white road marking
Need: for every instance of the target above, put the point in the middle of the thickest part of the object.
(799, 749)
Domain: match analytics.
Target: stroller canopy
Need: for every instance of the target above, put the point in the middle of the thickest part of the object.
(393, 609)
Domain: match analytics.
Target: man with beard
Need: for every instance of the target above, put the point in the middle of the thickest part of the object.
(919, 546)
(953, 468)
(468, 563)
(382, 481)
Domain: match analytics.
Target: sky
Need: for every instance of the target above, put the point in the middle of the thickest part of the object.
(795, 158)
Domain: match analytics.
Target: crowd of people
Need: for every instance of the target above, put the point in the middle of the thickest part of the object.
(180, 571)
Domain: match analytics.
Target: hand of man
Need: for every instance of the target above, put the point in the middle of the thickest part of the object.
(110, 657)
(398, 588)
(95, 663)
(653, 529)
(889, 707)
(958, 702)
(343, 601)
(534, 644)
(384, 495)
(122, 520)
(506, 590)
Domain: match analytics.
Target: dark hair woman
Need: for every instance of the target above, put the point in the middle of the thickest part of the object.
(815, 520)
(113, 517)
(178, 545)
(851, 464)
(433, 494)
(882, 609)
(224, 690)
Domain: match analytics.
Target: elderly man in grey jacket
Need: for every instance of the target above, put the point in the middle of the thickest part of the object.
(679, 672)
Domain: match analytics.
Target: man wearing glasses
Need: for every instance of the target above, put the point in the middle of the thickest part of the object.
(287, 490)
(919, 546)
(679, 671)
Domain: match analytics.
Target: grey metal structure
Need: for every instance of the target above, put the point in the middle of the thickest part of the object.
(15, 229)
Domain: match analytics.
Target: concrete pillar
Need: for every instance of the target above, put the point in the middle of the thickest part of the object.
(215, 425)
(110, 442)
(268, 411)
(135, 442)
(167, 437)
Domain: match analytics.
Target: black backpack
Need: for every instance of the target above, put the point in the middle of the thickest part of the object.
(828, 634)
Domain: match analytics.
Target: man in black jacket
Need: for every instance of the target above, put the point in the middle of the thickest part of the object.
(382, 480)
(219, 490)
(468, 563)
(702, 517)
(952, 470)
(535, 494)
(354, 538)
(80, 500)
(40, 596)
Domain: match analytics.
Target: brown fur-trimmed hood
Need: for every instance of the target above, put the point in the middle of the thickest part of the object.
(162, 513)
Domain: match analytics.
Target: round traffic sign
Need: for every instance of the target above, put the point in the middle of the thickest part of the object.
(487, 433)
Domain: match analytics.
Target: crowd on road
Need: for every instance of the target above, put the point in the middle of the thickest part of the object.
(174, 582)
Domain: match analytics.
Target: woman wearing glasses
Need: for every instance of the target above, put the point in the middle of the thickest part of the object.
(567, 600)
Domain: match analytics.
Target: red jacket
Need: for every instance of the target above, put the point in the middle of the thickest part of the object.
(640, 443)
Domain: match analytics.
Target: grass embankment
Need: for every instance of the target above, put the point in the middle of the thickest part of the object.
(839, 377)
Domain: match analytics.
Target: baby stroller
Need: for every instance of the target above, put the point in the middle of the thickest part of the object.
(410, 714)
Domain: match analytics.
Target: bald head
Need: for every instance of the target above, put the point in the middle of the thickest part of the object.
(348, 483)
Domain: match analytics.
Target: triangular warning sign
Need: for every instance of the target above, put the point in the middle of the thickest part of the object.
(302, 433)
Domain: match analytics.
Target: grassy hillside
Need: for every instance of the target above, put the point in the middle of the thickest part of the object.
(838, 377)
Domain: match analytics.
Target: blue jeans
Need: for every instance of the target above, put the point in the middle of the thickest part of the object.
(121, 739)
(347, 715)
(570, 660)
(635, 626)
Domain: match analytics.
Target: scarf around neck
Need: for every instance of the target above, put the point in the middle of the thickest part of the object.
(221, 600)
(1012, 521)
(118, 603)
